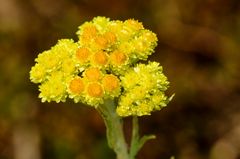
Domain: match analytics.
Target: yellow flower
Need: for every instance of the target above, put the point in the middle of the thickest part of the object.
(111, 85)
(144, 86)
(54, 89)
(92, 74)
(53, 60)
(117, 28)
(125, 43)
(110, 82)
(100, 43)
(100, 66)
(144, 44)
(65, 48)
(49, 60)
(100, 58)
(37, 73)
(83, 55)
(68, 67)
(133, 25)
(87, 32)
(76, 86)
(110, 37)
(101, 23)
(117, 58)
(95, 90)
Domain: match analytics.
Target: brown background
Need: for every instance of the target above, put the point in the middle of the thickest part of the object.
(198, 48)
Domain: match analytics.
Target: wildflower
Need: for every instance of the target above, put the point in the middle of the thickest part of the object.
(100, 65)
(94, 95)
(111, 37)
(133, 25)
(117, 58)
(92, 74)
(144, 44)
(53, 89)
(68, 67)
(100, 43)
(50, 60)
(111, 85)
(86, 33)
(95, 90)
(101, 23)
(82, 55)
(141, 84)
(100, 58)
(38, 73)
(76, 86)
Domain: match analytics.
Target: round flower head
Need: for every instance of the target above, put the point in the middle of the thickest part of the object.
(76, 87)
(94, 94)
(87, 34)
(82, 55)
(143, 45)
(144, 87)
(53, 89)
(95, 90)
(89, 70)
(115, 45)
(58, 58)
(118, 58)
(38, 73)
(111, 85)
(100, 59)
(92, 74)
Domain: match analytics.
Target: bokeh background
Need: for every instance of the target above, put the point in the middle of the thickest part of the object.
(198, 48)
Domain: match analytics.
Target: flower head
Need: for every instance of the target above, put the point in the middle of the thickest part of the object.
(53, 89)
(92, 74)
(95, 90)
(76, 86)
(144, 87)
(111, 85)
(100, 65)
(82, 55)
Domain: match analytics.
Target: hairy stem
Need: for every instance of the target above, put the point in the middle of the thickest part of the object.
(114, 126)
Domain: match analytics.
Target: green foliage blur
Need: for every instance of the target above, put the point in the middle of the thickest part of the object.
(198, 47)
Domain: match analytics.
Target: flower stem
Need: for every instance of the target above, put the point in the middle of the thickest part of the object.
(135, 137)
(115, 134)
(114, 126)
(136, 141)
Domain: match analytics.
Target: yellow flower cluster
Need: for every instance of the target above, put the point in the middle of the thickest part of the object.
(93, 86)
(114, 45)
(144, 87)
(53, 69)
(89, 70)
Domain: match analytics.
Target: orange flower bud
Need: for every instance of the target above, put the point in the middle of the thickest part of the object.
(76, 86)
(110, 82)
(118, 57)
(82, 54)
(92, 74)
(95, 90)
(100, 58)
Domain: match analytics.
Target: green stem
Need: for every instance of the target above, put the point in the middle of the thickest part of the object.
(114, 126)
(135, 138)
(115, 134)
(136, 141)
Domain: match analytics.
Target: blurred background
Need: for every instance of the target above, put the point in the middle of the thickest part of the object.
(198, 48)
